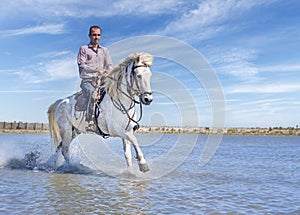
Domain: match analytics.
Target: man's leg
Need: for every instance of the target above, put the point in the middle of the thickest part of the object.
(89, 90)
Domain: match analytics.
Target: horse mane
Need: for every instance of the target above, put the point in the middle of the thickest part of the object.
(116, 74)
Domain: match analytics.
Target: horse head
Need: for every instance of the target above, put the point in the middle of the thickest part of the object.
(142, 75)
(131, 78)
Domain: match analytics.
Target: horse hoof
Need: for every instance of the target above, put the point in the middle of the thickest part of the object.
(144, 167)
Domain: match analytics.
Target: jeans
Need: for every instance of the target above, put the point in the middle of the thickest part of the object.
(88, 90)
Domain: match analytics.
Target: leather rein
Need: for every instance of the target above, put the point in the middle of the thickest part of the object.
(131, 92)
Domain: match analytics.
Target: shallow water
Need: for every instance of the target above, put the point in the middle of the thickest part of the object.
(247, 175)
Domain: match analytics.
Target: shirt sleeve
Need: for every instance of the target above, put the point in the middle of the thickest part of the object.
(108, 62)
(85, 71)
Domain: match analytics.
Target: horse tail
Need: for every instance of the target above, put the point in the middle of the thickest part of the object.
(53, 126)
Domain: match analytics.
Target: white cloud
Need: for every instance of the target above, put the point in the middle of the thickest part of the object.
(54, 54)
(29, 91)
(55, 69)
(230, 55)
(235, 62)
(281, 68)
(62, 69)
(56, 9)
(265, 88)
(241, 63)
(210, 18)
(146, 7)
(40, 29)
(253, 111)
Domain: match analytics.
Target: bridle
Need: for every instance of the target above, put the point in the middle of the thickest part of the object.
(130, 93)
(130, 84)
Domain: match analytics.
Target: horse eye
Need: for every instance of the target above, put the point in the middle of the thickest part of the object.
(139, 76)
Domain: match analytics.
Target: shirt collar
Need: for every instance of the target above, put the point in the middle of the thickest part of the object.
(91, 46)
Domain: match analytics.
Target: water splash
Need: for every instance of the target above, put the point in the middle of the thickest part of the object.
(30, 161)
(9, 152)
(38, 155)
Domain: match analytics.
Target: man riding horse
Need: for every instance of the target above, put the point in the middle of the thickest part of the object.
(126, 82)
(93, 61)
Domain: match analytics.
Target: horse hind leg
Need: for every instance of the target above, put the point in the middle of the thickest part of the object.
(65, 148)
(55, 159)
(67, 137)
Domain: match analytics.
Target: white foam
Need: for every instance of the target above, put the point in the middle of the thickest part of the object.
(8, 152)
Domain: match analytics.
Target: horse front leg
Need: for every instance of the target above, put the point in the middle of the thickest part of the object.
(127, 153)
(141, 160)
(143, 166)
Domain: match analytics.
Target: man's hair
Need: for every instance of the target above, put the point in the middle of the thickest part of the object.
(94, 26)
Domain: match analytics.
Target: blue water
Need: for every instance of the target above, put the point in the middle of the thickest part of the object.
(247, 175)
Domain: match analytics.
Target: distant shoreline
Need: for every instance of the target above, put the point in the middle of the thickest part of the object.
(275, 131)
(43, 128)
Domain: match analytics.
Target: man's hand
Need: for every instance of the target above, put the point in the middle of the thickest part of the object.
(100, 71)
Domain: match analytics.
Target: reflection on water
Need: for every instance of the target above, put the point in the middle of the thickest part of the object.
(248, 175)
(71, 194)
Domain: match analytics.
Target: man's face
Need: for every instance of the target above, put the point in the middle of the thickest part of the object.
(95, 36)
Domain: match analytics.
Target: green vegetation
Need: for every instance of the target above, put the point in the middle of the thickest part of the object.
(272, 131)
(24, 127)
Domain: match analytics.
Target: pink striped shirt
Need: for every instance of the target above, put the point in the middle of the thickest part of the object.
(89, 60)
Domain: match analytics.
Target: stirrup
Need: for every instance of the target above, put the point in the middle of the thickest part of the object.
(91, 128)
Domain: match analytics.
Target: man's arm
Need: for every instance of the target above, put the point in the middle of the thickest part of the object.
(108, 62)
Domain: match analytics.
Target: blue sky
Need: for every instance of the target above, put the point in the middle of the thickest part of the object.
(252, 47)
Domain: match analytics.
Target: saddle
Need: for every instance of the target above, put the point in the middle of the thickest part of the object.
(82, 99)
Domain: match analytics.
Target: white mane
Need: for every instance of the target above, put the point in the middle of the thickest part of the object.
(117, 73)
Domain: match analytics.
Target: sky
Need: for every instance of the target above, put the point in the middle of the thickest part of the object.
(232, 63)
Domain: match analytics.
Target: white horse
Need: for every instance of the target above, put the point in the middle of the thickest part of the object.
(115, 115)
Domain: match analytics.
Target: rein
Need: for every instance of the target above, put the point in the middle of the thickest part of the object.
(120, 106)
(97, 113)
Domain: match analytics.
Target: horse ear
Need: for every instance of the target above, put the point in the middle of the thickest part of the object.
(144, 59)
(138, 60)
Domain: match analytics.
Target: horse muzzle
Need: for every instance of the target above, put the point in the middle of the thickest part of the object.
(146, 98)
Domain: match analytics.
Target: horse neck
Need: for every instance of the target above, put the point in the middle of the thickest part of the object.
(125, 94)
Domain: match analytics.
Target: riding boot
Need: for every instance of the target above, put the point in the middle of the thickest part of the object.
(91, 128)
(90, 117)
